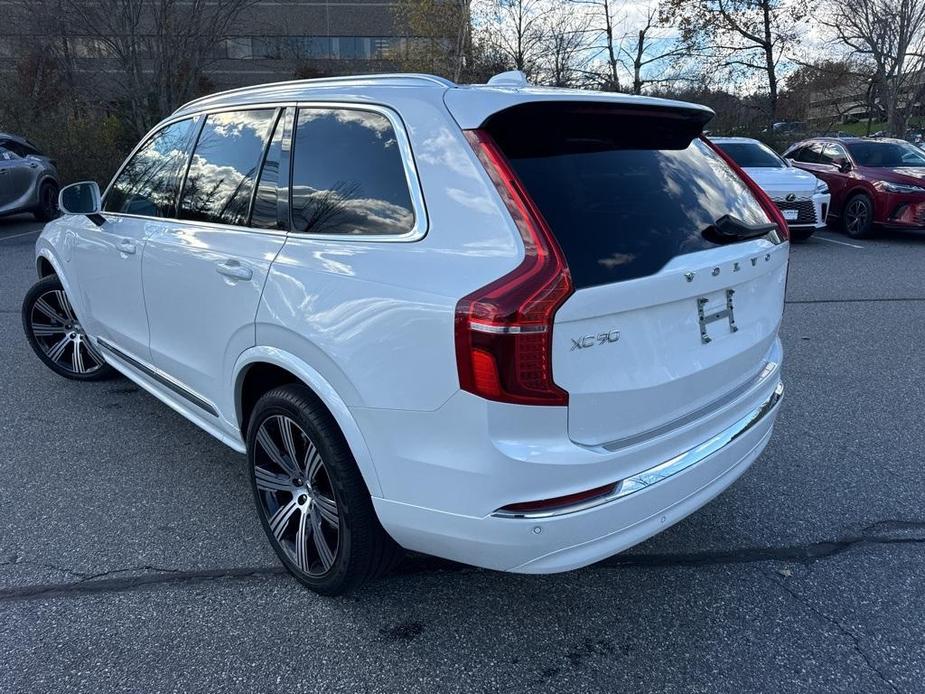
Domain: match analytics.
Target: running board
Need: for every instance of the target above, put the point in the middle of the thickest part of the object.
(160, 377)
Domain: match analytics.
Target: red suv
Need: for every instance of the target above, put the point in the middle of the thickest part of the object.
(872, 182)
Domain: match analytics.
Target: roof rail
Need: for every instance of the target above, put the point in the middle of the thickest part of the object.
(324, 81)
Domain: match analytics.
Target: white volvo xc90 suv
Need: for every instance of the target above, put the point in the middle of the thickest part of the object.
(514, 327)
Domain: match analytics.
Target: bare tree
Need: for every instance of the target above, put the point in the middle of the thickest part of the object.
(652, 54)
(603, 22)
(889, 35)
(516, 31)
(158, 49)
(565, 54)
(749, 37)
(438, 36)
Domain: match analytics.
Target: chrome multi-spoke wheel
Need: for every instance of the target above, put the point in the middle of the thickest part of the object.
(858, 216)
(296, 495)
(313, 502)
(56, 334)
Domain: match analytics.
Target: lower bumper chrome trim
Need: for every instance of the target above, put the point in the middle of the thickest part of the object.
(662, 471)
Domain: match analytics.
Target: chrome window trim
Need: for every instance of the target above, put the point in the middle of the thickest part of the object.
(421, 220)
(662, 471)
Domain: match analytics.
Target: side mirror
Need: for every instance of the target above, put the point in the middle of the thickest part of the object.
(82, 198)
(844, 166)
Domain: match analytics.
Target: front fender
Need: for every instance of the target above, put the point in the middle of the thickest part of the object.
(325, 392)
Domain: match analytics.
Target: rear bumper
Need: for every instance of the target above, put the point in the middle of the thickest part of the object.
(646, 502)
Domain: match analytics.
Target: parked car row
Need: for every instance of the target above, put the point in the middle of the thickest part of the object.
(28, 179)
(802, 198)
(856, 183)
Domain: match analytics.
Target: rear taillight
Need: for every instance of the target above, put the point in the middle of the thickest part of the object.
(770, 209)
(504, 330)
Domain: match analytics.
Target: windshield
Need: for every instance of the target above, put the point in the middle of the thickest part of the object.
(886, 154)
(752, 154)
(623, 192)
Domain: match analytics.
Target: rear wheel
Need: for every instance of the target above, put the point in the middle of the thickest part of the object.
(311, 498)
(858, 216)
(56, 336)
(48, 202)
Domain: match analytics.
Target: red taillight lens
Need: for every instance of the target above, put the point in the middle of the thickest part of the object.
(504, 330)
(770, 209)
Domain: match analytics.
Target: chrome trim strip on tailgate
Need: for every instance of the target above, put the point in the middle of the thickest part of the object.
(663, 471)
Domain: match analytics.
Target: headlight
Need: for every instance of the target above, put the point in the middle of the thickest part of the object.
(891, 187)
(822, 187)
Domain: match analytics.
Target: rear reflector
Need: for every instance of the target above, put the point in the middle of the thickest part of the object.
(504, 330)
(557, 502)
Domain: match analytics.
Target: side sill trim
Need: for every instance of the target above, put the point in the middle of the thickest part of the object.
(160, 377)
(663, 471)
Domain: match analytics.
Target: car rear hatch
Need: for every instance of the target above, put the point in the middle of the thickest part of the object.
(678, 269)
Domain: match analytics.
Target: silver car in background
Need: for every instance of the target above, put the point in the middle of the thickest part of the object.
(28, 179)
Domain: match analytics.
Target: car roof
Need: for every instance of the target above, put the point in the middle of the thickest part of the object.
(9, 137)
(470, 104)
(847, 140)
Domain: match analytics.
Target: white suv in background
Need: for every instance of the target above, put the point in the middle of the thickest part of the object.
(514, 327)
(802, 198)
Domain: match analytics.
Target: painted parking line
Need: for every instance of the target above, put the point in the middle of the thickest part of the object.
(840, 243)
(16, 236)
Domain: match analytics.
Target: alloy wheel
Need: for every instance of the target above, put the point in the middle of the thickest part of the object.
(296, 495)
(856, 216)
(60, 335)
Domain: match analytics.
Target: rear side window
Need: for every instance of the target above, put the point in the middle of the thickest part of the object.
(347, 175)
(223, 168)
(148, 183)
(623, 192)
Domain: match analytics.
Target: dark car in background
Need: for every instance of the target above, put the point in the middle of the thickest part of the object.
(873, 182)
(28, 179)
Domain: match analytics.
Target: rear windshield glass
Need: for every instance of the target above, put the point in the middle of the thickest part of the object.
(752, 154)
(623, 193)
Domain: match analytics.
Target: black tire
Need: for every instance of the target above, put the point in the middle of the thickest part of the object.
(801, 235)
(857, 217)
(60, 341)
(48, 202)
(363, 549)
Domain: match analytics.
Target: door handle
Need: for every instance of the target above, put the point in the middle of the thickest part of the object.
(234, 269)
(126, 246)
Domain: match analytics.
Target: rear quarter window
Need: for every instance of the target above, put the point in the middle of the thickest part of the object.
(623, 194)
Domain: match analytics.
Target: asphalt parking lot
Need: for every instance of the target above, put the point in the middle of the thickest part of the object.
(131, 558)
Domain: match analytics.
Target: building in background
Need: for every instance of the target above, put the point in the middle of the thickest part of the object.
(851, 102)
(272, 40)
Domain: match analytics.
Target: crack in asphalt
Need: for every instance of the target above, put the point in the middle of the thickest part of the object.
(841, 628)
(879, 534)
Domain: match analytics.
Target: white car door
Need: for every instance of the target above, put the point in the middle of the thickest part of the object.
(204, 273)
(107, 259)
